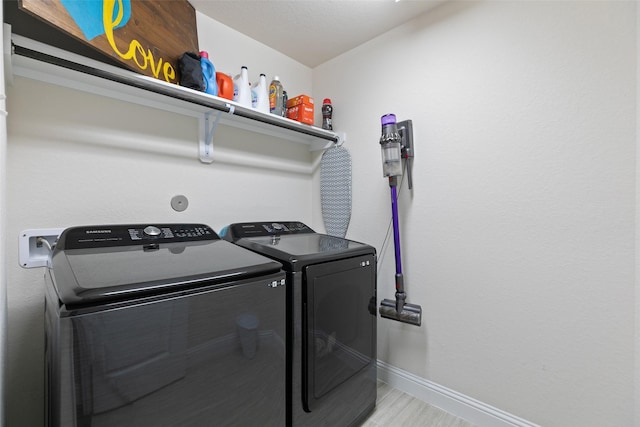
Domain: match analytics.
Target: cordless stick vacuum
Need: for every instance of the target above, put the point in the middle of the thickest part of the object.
(397, 143)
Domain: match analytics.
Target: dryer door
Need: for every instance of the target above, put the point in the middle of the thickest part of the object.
(338, 328)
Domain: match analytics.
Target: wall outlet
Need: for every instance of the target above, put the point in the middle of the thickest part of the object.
(34, 251)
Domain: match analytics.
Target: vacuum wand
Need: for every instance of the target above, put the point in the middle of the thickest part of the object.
(392, 153)
(400, 295)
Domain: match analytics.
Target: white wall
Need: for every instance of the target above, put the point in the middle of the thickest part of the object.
(518, 239)
(75, 159)
(637, 359)
(3, 209)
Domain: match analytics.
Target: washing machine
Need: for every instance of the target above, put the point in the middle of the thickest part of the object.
(163, 325)
(331, 320)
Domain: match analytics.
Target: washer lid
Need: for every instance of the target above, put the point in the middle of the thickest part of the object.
(114, 266)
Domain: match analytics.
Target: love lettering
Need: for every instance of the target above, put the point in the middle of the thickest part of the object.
(143, 59)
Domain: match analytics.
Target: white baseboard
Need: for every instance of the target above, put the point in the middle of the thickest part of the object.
(455, 403)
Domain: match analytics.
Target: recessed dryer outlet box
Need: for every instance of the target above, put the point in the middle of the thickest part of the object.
(34, 252)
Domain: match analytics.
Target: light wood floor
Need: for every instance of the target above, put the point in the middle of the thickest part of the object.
(397, 409)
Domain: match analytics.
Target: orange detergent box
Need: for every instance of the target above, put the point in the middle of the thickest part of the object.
(301, 109)
(300, 99)
(302, 113)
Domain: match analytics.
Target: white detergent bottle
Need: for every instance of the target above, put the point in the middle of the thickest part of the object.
(261, 91)
(241, 88)
(254, 96)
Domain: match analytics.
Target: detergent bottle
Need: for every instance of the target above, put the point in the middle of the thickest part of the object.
(276, 97)
(225, 85)
(254, 96)
(241, 88)
(261, 92)
(208, 74)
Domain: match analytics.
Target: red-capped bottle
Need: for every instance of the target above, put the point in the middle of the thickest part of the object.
(327, 111)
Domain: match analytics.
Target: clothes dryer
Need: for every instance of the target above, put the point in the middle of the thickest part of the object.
(331, 320)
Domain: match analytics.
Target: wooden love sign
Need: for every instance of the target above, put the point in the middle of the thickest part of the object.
(147, 36)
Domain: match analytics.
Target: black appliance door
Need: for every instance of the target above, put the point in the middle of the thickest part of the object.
(338, 337)
(194, 358)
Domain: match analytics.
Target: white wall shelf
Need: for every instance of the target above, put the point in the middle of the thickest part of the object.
(38, 61)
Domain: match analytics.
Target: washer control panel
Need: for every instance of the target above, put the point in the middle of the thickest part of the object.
(101, 236)
(257, 229)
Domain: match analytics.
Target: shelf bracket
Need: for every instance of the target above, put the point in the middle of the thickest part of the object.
(208, 125)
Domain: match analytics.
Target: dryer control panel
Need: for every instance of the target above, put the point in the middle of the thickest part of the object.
(257, 229)
(100, 236)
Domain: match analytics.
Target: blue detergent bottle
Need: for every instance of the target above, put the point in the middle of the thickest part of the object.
(208, 74)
